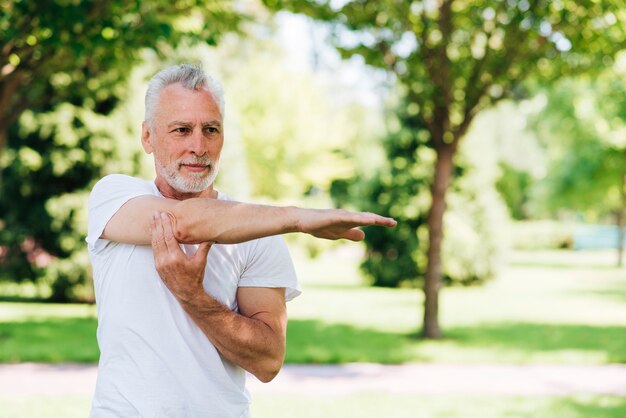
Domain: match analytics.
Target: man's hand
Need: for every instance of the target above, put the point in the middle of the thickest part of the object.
(253, 339)
(339, 224)
(182, 274)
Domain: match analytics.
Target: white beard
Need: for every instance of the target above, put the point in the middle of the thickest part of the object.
(195, 182)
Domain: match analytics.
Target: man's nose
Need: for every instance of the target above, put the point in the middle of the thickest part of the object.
(197, 143)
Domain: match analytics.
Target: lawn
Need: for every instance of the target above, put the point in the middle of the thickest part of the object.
(548, 307)
(365, 405)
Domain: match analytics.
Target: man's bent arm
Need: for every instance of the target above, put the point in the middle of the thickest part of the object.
(255, 338)
(203, 219)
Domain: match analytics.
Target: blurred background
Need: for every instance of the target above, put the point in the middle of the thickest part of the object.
(493, 131)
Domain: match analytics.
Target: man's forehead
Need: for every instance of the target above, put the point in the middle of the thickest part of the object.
(180, 103)
(179, 92)
(190, 122)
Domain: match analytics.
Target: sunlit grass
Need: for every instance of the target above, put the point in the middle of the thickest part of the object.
(69, 406)
(549, 307)
(376, 405)
(362, 405)
(533, 313)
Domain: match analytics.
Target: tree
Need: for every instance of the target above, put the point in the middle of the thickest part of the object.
(454, 58)
(476, 215)
(79, 52)
(64, 70)
(583, 127)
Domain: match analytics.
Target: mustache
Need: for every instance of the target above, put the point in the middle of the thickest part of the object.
(196, 161)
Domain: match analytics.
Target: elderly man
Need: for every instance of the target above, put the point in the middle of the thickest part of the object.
(182, 315)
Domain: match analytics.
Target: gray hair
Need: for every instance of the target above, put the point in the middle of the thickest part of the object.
(192, 77)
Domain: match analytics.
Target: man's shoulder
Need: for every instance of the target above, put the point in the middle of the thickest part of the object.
(121, 179)
(117, 181)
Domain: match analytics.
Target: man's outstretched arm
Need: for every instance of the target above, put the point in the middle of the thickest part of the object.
(203, 219)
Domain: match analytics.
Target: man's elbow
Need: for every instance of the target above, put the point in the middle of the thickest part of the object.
(186, 230)
(189, 227)
(181, 231)
(269, 371)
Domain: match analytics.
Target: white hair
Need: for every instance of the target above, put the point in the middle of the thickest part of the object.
(192, 77)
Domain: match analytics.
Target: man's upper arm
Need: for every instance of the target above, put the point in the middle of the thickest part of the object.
(120, 207)
(266, 304)
(131, 223)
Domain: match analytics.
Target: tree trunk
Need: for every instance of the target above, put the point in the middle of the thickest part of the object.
(432, 279)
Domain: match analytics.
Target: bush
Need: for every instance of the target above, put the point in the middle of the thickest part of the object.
(542, 235)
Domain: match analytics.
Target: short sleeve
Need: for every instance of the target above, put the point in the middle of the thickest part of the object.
(106, 198)
(270, 265)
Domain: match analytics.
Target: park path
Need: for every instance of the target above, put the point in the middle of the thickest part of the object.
(26, 379)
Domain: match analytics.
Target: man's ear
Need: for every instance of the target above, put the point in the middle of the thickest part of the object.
(146, 138)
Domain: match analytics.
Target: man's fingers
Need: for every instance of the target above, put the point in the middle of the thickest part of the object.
(384, 221)
(168, 233)
(203, 250)
(354, 234)
(157, 233)
(369, 218)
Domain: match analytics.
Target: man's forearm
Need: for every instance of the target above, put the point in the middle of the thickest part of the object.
(255, 345)
(226, 222)
(202, 220)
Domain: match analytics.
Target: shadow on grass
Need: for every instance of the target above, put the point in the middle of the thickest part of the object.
(531, 337)
(52, 340)
(22, 299)
(311, 341)
(72, 339)
(604, 406)
(615, 291)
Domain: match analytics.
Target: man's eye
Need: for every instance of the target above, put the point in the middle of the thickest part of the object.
(181, 130)
(212, 130)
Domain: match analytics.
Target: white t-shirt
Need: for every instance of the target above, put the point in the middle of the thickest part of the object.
(154, 361)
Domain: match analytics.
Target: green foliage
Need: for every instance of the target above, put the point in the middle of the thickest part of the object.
(398, 189)
(542, 235)
(68, 63)
(582, 126)
(476, 242)
(515, 187)
(454, 58)
(463, 55)
(50, 156)
(81, 51)
(292, 141)
(476, 221)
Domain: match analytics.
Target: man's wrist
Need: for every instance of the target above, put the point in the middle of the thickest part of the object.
(294, 218)
(200, 302)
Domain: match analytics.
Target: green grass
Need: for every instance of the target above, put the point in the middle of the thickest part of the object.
(363, 405)
(51, 333)
(533, 313)
(548, 307)
(45, 406)
(376, 405)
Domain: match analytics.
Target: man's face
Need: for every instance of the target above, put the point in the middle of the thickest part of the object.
(186, 139)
